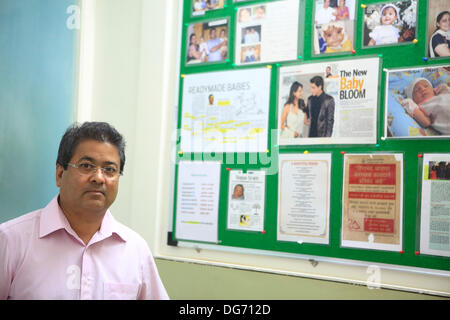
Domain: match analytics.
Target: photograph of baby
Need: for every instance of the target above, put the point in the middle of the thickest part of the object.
(333, 26)
(199, 7)
(418, 102)
(390, 23)
(207, 42)
(438, 28)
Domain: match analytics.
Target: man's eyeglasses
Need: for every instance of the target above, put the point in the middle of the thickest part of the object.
(87, 168)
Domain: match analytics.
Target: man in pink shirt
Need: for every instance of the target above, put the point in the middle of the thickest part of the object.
(74, 248)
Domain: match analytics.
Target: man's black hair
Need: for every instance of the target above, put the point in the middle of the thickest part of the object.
(99, 131)
(317, 80)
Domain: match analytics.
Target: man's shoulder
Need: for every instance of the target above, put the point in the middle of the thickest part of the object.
(21, 223)
(328, 97)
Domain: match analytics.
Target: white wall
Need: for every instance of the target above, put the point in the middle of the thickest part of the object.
(133, 69)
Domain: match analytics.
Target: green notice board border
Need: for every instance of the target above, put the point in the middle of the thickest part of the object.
(407, 55)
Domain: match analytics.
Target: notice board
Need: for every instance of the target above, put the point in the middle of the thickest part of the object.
(334, 169)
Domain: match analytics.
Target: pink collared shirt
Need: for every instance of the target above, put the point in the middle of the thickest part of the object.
(41, 257)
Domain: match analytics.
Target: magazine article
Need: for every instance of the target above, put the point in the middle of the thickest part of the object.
(328, 103)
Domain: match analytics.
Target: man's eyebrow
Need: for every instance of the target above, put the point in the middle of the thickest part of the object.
(110, 163)
(86, 158)
(93, 160)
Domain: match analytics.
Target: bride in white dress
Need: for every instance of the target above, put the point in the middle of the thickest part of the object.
(293, 117)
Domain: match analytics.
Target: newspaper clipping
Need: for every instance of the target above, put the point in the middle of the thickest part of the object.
(372, 201)
(246, 200)
(435, 207)
(328, 103)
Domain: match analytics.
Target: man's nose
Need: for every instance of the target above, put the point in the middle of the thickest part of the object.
(98, 176)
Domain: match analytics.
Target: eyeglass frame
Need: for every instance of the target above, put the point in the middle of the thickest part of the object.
(94, 170)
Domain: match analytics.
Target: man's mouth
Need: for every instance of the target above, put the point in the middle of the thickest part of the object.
(95, 192)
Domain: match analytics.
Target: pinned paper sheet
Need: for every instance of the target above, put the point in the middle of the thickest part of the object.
(306, 177)
(246, 200)
(372, 201)
(226, 111)
(198, 200)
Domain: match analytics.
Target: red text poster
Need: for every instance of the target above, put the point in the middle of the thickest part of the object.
(372, 198)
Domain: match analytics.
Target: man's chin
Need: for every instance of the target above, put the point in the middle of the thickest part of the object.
(95, 204)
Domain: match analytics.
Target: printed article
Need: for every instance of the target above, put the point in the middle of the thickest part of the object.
(225, 111)
(304, 198)
(197, 200)
(372, 201)
(435, 205)
(328, 103)
(246, 196)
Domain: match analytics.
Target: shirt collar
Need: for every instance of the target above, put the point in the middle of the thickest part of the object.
(111, 226)
(53, 219)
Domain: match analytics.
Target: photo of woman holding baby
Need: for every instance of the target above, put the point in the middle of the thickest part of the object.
(390, 23)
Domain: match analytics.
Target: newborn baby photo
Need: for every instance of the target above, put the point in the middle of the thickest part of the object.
(418, 102)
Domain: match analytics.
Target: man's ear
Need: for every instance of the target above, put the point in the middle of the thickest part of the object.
(59, 174)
